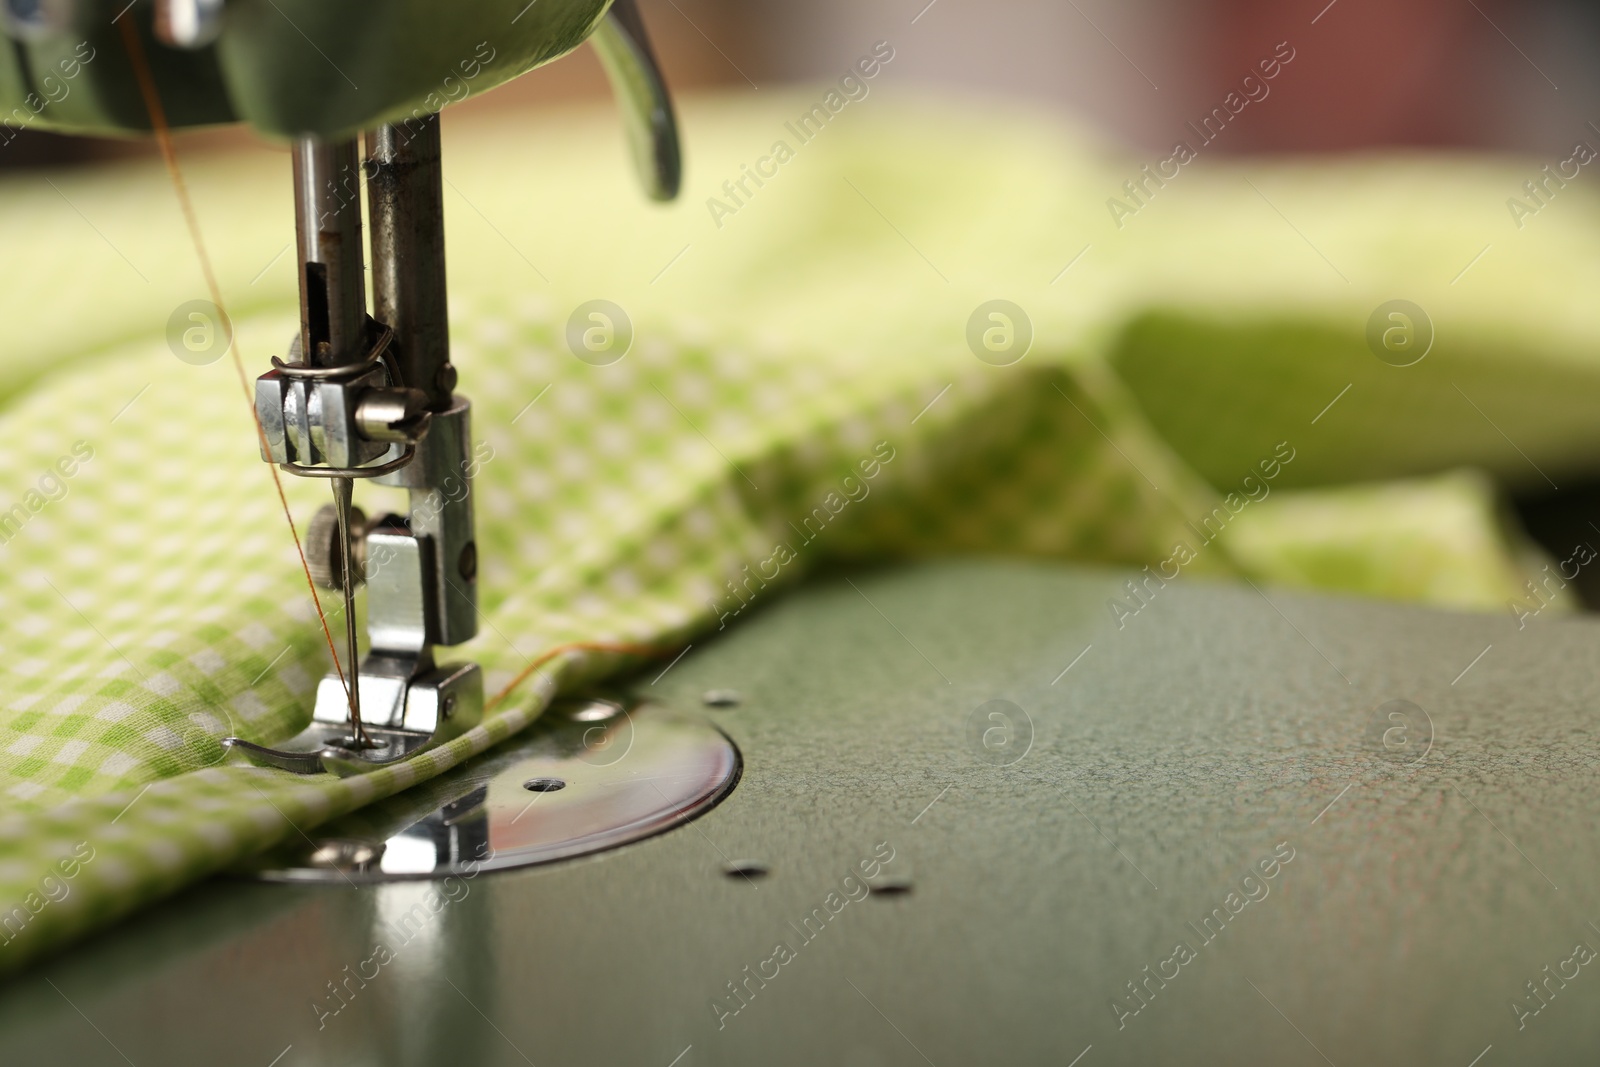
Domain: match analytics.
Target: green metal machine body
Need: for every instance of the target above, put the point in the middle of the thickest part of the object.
(304, 68)
(996, 828)
(289, 68)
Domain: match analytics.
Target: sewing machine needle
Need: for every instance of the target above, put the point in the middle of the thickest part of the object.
(343, 488)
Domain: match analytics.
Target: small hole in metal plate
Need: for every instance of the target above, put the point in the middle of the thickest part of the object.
(890, 887)
(747, 869)
(543, 785)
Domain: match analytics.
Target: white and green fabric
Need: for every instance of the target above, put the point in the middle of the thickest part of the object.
(800, 389)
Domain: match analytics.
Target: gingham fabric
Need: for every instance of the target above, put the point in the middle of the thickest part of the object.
(800, 389)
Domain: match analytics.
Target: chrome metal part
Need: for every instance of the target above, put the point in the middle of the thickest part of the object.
(374, 470)
(323, 555)
(310, 416)
(652, 130)
(327, 220)
(188, 23)
(394, 415)
(364, 399)
(408, 714)
(588, 776)
(429, 707)
(342, 490)
(399, 566)
(386, 679)
(405, 199)
(440, 481)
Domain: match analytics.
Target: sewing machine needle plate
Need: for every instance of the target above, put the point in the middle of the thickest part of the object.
(591, 775)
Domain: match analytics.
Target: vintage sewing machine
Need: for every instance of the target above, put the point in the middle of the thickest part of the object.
(1246, 828)
(360, 396)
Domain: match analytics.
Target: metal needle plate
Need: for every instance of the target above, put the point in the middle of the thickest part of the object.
(591, 775)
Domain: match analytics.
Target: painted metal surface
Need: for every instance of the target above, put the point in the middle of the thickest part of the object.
(989, 818)
(287, 67)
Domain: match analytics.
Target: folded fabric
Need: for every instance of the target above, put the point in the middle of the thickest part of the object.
(801, 388)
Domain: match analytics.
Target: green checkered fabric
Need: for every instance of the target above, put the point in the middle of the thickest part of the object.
(800, 389)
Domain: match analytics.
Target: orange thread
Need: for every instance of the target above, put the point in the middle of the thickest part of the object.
(158, 123)
(550, 654)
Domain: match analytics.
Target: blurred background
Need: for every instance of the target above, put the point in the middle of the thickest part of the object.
(1481, 74)
(1369, 75)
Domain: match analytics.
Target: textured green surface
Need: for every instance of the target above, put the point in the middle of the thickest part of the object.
(156, 605)
(1176, 753)
(83, 81)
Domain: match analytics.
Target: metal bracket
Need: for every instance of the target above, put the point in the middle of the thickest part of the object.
(364, 399)
(590, 775)
(423, 712)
